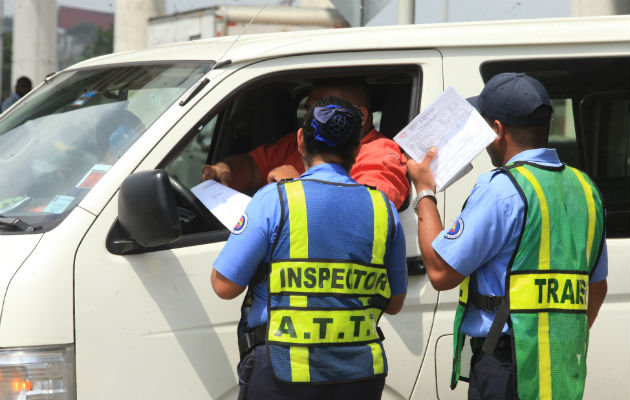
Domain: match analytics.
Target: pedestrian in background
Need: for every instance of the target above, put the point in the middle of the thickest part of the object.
(22, 86)
(528, 251)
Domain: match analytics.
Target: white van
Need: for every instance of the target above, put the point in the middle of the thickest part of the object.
(92, 310)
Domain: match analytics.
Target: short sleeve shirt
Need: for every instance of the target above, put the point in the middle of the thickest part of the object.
(243, 253)
(380, 163)
(485, 236)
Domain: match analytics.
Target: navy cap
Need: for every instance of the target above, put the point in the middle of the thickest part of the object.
(512, 98)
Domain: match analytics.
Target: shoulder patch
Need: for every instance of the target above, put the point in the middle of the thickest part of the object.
(456, 230)
(240, 225)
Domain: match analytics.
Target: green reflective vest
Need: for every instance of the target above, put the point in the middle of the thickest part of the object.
(547, 283)
(323, 313)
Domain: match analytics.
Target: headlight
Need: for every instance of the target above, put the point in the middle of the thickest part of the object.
(37, 373)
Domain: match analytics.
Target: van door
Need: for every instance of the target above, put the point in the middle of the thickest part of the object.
(148, 324)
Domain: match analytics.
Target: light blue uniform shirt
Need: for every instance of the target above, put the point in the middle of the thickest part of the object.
(243, 253)
(486, 233)
(8, 102)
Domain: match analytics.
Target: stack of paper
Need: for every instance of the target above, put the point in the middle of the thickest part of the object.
(458, 131)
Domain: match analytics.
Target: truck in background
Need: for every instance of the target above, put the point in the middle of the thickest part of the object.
(231, 20)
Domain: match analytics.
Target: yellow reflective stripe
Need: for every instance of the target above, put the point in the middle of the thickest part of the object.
(299, 364)
(377, 358)
(559, 291)
(380, 226)
(545, 242)
(328, 277)
(588, 193)
(298, 301)
(322, 326)
(544, 361)
(298, 227)
(544, 355)
(463, 290)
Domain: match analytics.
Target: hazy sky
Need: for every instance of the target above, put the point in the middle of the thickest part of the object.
(171, 5)
(426, 10)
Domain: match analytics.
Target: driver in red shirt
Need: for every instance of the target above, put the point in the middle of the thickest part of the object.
(379, 164)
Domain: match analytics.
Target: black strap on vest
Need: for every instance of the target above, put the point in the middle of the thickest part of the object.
(250, 339)
(490, 303)
(503, 312)
(261, 275)
(485, 302)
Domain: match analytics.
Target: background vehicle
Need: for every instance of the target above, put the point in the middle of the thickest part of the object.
(105, 288)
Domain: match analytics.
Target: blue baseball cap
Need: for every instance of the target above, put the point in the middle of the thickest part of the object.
(512, 98)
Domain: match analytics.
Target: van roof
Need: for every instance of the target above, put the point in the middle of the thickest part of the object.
(470, 34)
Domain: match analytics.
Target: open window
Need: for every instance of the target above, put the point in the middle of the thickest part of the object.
(272, 107)
(591, 124)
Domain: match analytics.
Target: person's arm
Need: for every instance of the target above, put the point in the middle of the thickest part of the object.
(596, 295)
(395, 304)
(243, 253)
(282, 172)
(381, 164)
(223, 287)
(396, 264)
(441, 275)
(238, 172)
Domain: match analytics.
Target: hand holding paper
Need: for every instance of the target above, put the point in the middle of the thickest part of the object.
(420, 173)
(457, 130)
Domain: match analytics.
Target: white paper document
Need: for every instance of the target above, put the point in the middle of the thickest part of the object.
(458, 131)
(227, 204)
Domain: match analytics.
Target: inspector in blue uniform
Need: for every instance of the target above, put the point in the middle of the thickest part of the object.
(332, 256)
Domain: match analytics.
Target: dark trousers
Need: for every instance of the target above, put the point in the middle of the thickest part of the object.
(256, 381)
(491, 375)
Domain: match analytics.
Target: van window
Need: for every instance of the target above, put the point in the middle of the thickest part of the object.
(62, 138)
(265, 112)
(591, 124)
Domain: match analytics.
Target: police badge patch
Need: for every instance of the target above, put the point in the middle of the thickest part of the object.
(240, 225)
(456, 230)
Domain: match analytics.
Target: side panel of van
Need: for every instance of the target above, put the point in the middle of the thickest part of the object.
(149, 326)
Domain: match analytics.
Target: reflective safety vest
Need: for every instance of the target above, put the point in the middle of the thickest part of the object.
(547, 283)
(323, 313)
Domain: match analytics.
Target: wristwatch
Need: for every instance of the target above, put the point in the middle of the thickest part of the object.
(416, 201)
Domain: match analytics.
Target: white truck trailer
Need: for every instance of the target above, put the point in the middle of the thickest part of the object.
(230, 20)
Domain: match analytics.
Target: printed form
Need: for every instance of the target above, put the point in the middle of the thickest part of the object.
(227, 204)
(458, 131)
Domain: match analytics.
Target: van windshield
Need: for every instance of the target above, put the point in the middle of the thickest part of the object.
(61, 139)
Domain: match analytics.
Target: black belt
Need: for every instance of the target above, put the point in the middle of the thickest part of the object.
(505, 342)
(251, 339)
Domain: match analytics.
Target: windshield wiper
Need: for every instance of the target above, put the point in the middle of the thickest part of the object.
(16, 223)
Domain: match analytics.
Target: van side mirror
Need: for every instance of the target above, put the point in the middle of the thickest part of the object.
(147, 209)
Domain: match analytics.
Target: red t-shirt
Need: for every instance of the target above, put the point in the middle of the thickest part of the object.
(380, 163)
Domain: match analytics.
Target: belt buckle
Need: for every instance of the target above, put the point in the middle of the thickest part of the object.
(245, 343)
(492, 302)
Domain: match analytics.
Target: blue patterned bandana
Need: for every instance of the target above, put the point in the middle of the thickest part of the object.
(332, 124)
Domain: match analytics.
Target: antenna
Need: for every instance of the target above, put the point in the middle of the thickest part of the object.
(205, 80)
(240, 34)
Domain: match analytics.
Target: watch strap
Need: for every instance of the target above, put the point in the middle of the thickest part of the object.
(420, 196)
